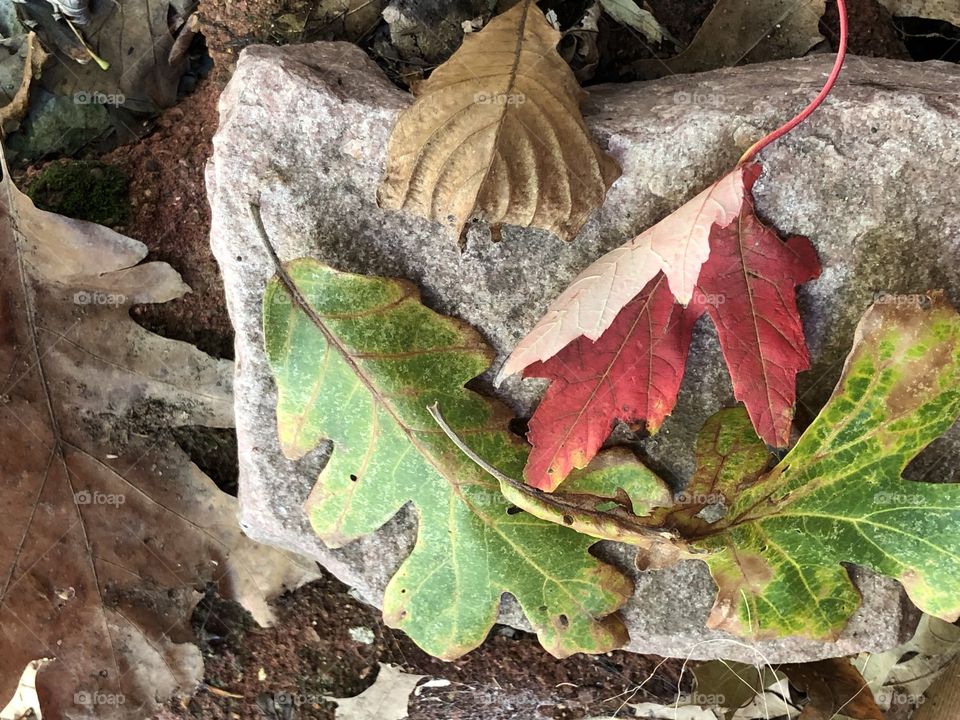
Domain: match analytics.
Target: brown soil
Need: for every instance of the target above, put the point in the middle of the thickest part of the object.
(231, 25)
(169, 213)
(310, 657)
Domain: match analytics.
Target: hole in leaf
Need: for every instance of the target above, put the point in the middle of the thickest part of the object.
(567, 520)
(563, 620)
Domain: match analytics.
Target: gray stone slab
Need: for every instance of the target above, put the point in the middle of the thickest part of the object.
(872, 179)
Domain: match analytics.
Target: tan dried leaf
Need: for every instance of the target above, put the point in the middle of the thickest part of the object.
(496, 134)
(110, 532)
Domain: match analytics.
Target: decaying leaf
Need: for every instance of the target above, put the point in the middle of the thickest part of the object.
(357, 361)
(942, 697)
(386, 699)
(627, 13)
(496, 134)
(902, 675)
(678, 246)
(734, 684)
(350, 20)
(579, 47)
(745, 31)
(833, 687)
(838, 496)
(947, 10)
(110, 531)
(775, 702)
(423, 34)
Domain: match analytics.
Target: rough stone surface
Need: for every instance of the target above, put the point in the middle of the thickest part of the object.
(871, 180)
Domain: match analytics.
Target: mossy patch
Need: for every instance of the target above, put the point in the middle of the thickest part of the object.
(83, 189)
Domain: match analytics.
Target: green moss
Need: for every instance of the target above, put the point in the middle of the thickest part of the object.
(82, 189)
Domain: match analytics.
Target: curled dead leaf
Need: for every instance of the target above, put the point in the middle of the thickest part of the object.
(745, 31)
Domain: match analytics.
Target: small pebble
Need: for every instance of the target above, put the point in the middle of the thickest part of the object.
(362, 635)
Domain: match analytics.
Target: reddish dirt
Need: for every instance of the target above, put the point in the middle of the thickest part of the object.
(169, 213)
(310, 656)
(231, 25)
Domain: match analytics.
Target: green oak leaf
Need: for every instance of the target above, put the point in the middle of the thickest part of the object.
(357, 362)
(610, 499)
(839, 495)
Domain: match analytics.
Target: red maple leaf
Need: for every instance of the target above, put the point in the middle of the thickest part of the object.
(748, 285)
(632, 372)
(614, 355)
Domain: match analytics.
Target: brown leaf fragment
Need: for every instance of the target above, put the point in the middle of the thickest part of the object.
(833, 687)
